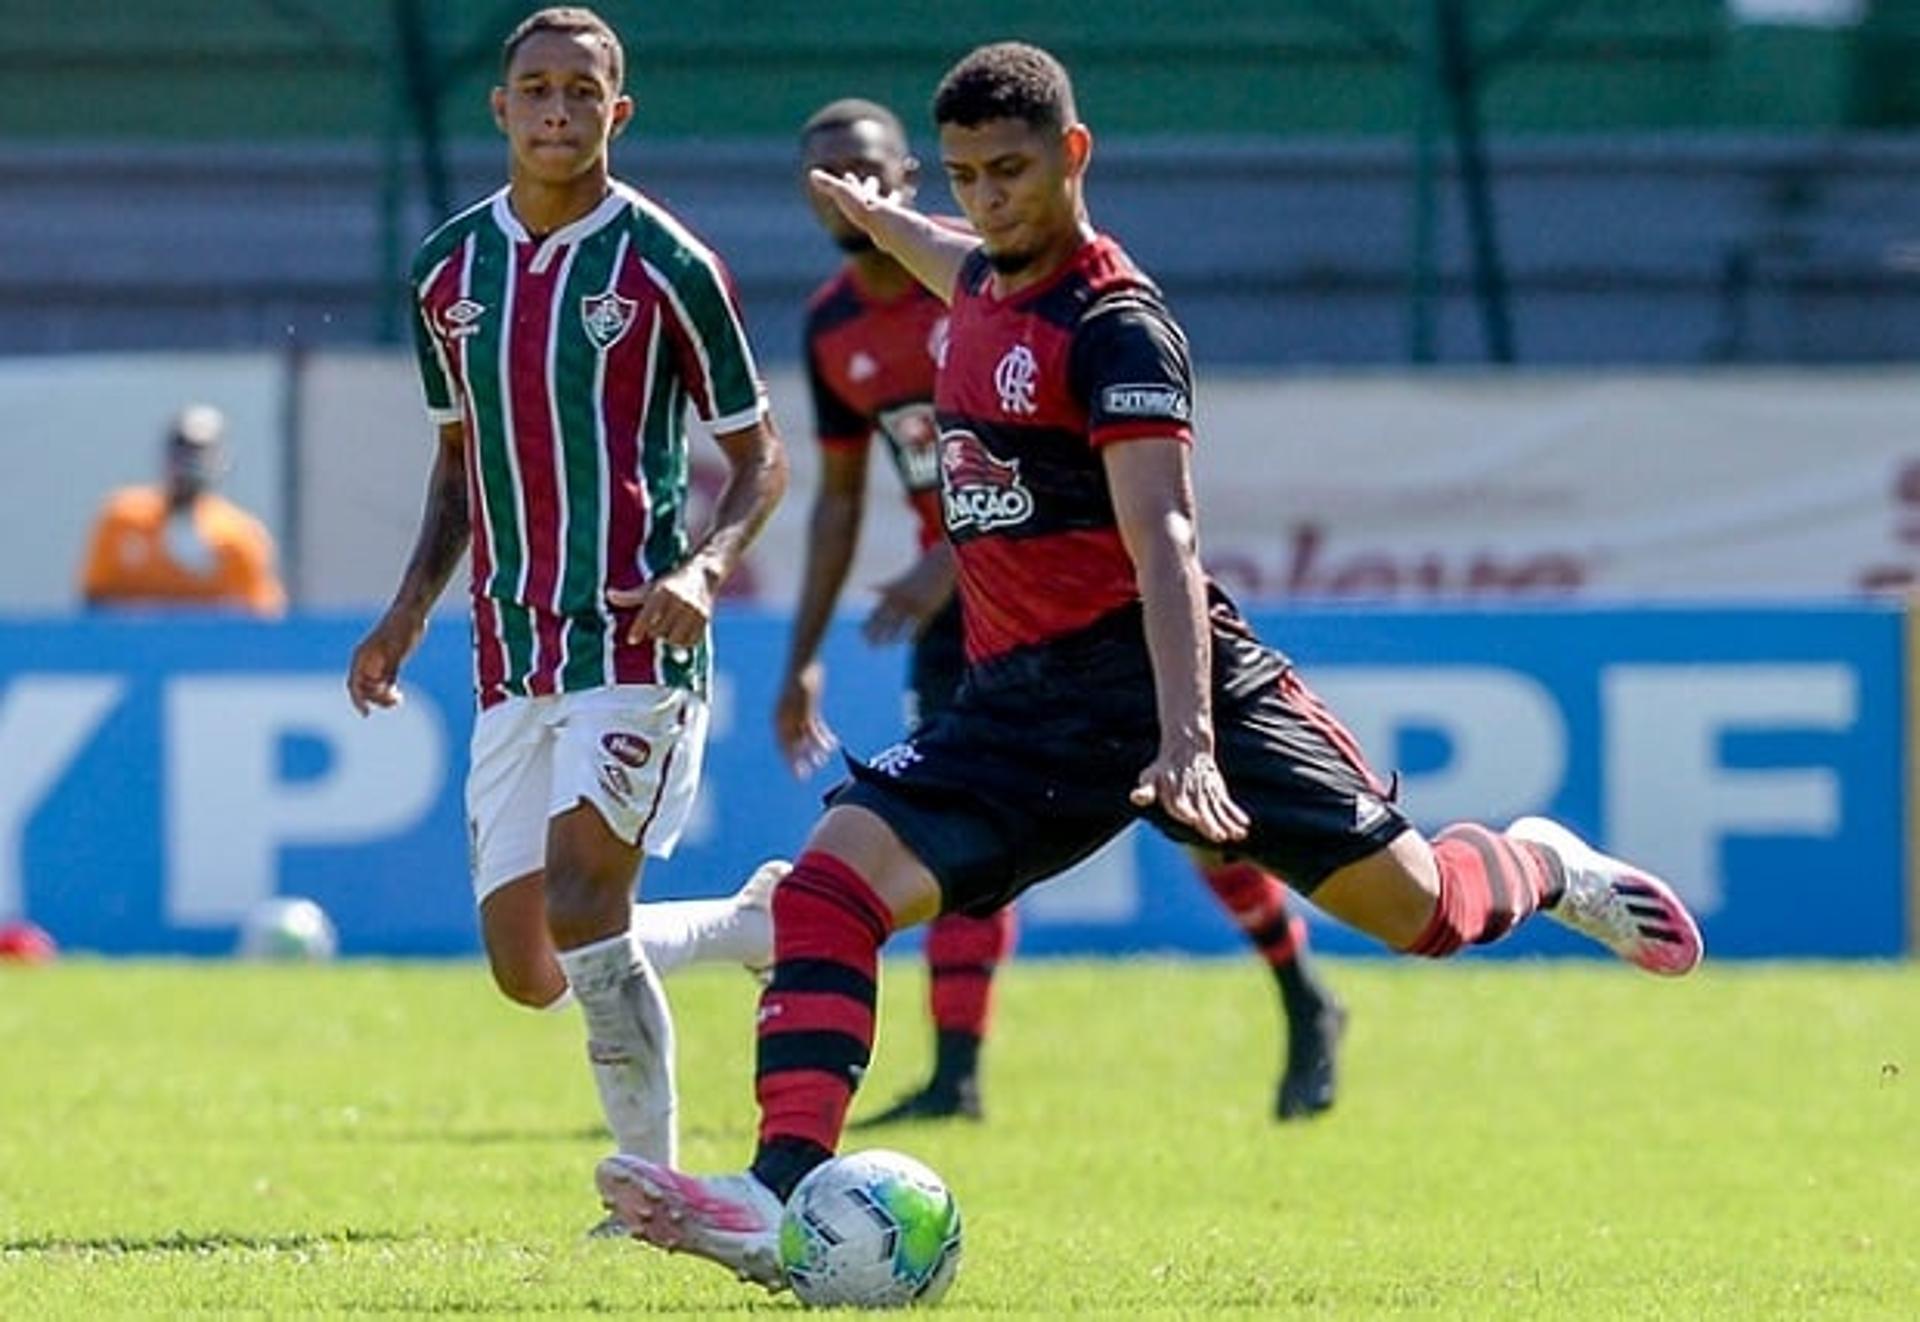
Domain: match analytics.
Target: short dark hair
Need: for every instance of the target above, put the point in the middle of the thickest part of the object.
(851, 110)
(572, 19)
(1007, 80)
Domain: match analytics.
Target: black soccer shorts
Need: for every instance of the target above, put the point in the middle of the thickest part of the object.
(1017, 781)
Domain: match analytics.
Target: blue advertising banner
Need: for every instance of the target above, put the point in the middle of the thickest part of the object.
(158, 777)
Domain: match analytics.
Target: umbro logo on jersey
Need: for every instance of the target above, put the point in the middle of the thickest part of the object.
(1146, 401)
(1015, 378)
(977, 489)
(861, 367)
(462, 318)
(606, 318)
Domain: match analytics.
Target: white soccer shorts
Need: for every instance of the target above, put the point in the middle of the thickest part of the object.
(631, 750)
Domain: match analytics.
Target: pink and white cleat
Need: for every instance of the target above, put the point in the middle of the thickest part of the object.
(733, 1220)
(1626, 909)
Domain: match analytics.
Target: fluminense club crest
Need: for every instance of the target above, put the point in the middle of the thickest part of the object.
(606, 317)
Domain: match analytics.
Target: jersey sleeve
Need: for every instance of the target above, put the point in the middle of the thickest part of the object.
(837, 424)
(436, 378)
(715, 359)
(1130, 367)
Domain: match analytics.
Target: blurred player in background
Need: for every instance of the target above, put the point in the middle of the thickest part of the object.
(874, 335)
(1107, 679)
(564, 324)
(182, 543)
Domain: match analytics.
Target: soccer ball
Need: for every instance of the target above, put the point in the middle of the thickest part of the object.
(287, 930)
(871, 1229)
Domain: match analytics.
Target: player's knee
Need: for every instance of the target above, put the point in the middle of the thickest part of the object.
(534, 984)
(575, 901)
(825, 908)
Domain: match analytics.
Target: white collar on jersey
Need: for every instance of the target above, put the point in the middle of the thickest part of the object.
(619, 197)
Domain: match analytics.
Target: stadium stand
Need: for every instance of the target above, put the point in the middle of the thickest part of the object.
(245, 180)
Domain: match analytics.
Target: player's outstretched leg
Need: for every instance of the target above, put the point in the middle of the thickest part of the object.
(1256, 900)
(1473, 885)
(815, 1031)
(734, 930)
(963, 954)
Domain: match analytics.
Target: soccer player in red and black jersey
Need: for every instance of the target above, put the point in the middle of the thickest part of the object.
(1107, 679)
(874, 335)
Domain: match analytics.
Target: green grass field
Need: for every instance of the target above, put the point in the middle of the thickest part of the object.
(1537, 1141)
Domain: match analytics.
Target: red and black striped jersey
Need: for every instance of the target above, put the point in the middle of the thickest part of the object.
(1032, 387)
(870, 365)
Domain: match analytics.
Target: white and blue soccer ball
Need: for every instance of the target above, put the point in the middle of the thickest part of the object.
(287, 930)
(871, 1229)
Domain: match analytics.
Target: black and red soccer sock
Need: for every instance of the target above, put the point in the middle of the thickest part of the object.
(1489, 884)
(816, 1015)
(963, 953)
(1256, 900)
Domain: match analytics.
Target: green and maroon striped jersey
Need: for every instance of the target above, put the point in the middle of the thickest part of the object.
(569, 362)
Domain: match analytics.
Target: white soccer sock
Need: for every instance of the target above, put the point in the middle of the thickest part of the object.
(629, 1043)
(676, 933)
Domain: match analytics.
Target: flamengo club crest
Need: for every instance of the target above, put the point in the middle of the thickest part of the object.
(606, 317)
(1015, 379)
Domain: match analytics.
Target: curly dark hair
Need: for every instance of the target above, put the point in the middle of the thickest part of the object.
(571, 19)
(1007, 80)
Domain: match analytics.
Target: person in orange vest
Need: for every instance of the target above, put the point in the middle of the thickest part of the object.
(180, 543)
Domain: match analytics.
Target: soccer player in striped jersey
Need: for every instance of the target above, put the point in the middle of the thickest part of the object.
(873, 337)
(564, 326)
(1108, 680)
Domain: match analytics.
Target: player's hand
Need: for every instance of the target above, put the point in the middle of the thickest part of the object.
(1189, 788)
(674, 608)
(373, 675)
(861, 200)
(906, 603)
(804, 735)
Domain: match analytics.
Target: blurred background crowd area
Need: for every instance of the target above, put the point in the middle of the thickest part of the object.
(1316, 182)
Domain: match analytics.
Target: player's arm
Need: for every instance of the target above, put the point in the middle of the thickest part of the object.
(677, 607)
(445, 532)
(931, 251)
(908, 600)
(716, 362)
(1129, 363)
(833, 535)
(1153, 505)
